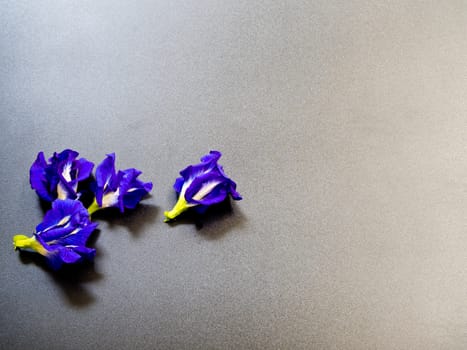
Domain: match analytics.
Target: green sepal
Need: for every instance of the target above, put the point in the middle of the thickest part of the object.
(179, 208)
(28, 243)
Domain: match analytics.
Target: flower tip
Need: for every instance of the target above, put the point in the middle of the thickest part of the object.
(29, 243)
(17, 241)
(168, 216)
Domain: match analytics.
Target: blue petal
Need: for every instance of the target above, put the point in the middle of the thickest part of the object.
(208, 163)
(77, 237)
(65, 230)
(59, 255)
(105, 175)
(67, 255)
(85, 252)
(213, 188)
(212, 171)
(63, 170)
(55, 260)
(123, 184)
(60, 210)
(63, 233)
(233, 191)
(213, 156)
(131, 189)
(105, 171)
(217, 195)
(178, 184)
(38, 177)
(84, 169)
(64, 156)
(131, 199)
(195, 177)
(68, 187)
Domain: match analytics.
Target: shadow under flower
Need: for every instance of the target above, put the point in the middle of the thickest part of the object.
(215, 222)
(70, 278)
(135, 220)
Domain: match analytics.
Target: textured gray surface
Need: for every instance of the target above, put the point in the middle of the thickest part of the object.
(343, 123)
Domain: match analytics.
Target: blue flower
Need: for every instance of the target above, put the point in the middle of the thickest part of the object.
(202, 185)
(119, 189)
(59, 178)
(62, 235)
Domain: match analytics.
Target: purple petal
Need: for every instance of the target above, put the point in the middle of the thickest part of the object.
(131, 199)
(67, 187)
(206, 183)
(60, 177)
(213, 156)
(233, 191)
(77, 237)
(64, 217)
(61, 209)
(122, 189)
(178, 184)
(85, 252)
(59, 255)
(207, 189)
(54, 260)
(64, 232)
(105, 171)
(105, 174)
(64, 156)
(38, 178)
(131, 189)
(208, 163)
(67, 255)
(84, 169)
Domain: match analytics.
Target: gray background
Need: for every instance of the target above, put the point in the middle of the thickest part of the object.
(343, 123)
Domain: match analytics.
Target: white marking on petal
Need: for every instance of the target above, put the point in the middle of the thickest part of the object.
(56, 241)
(192, 178)
(61, 191)
(66, 172)
(110, 199)
(205, 190)
(64, 220)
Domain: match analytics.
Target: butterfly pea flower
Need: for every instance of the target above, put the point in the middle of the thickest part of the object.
(202, 185)
(120, 189)
(61, 236)
(59, 177)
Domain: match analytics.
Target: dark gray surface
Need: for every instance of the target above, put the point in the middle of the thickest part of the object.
(343, 123)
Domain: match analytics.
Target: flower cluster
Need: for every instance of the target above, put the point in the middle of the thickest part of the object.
(62, 235)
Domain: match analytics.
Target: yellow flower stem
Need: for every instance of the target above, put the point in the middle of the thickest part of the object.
(25, 242)
(93, 207)
(179, 208)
